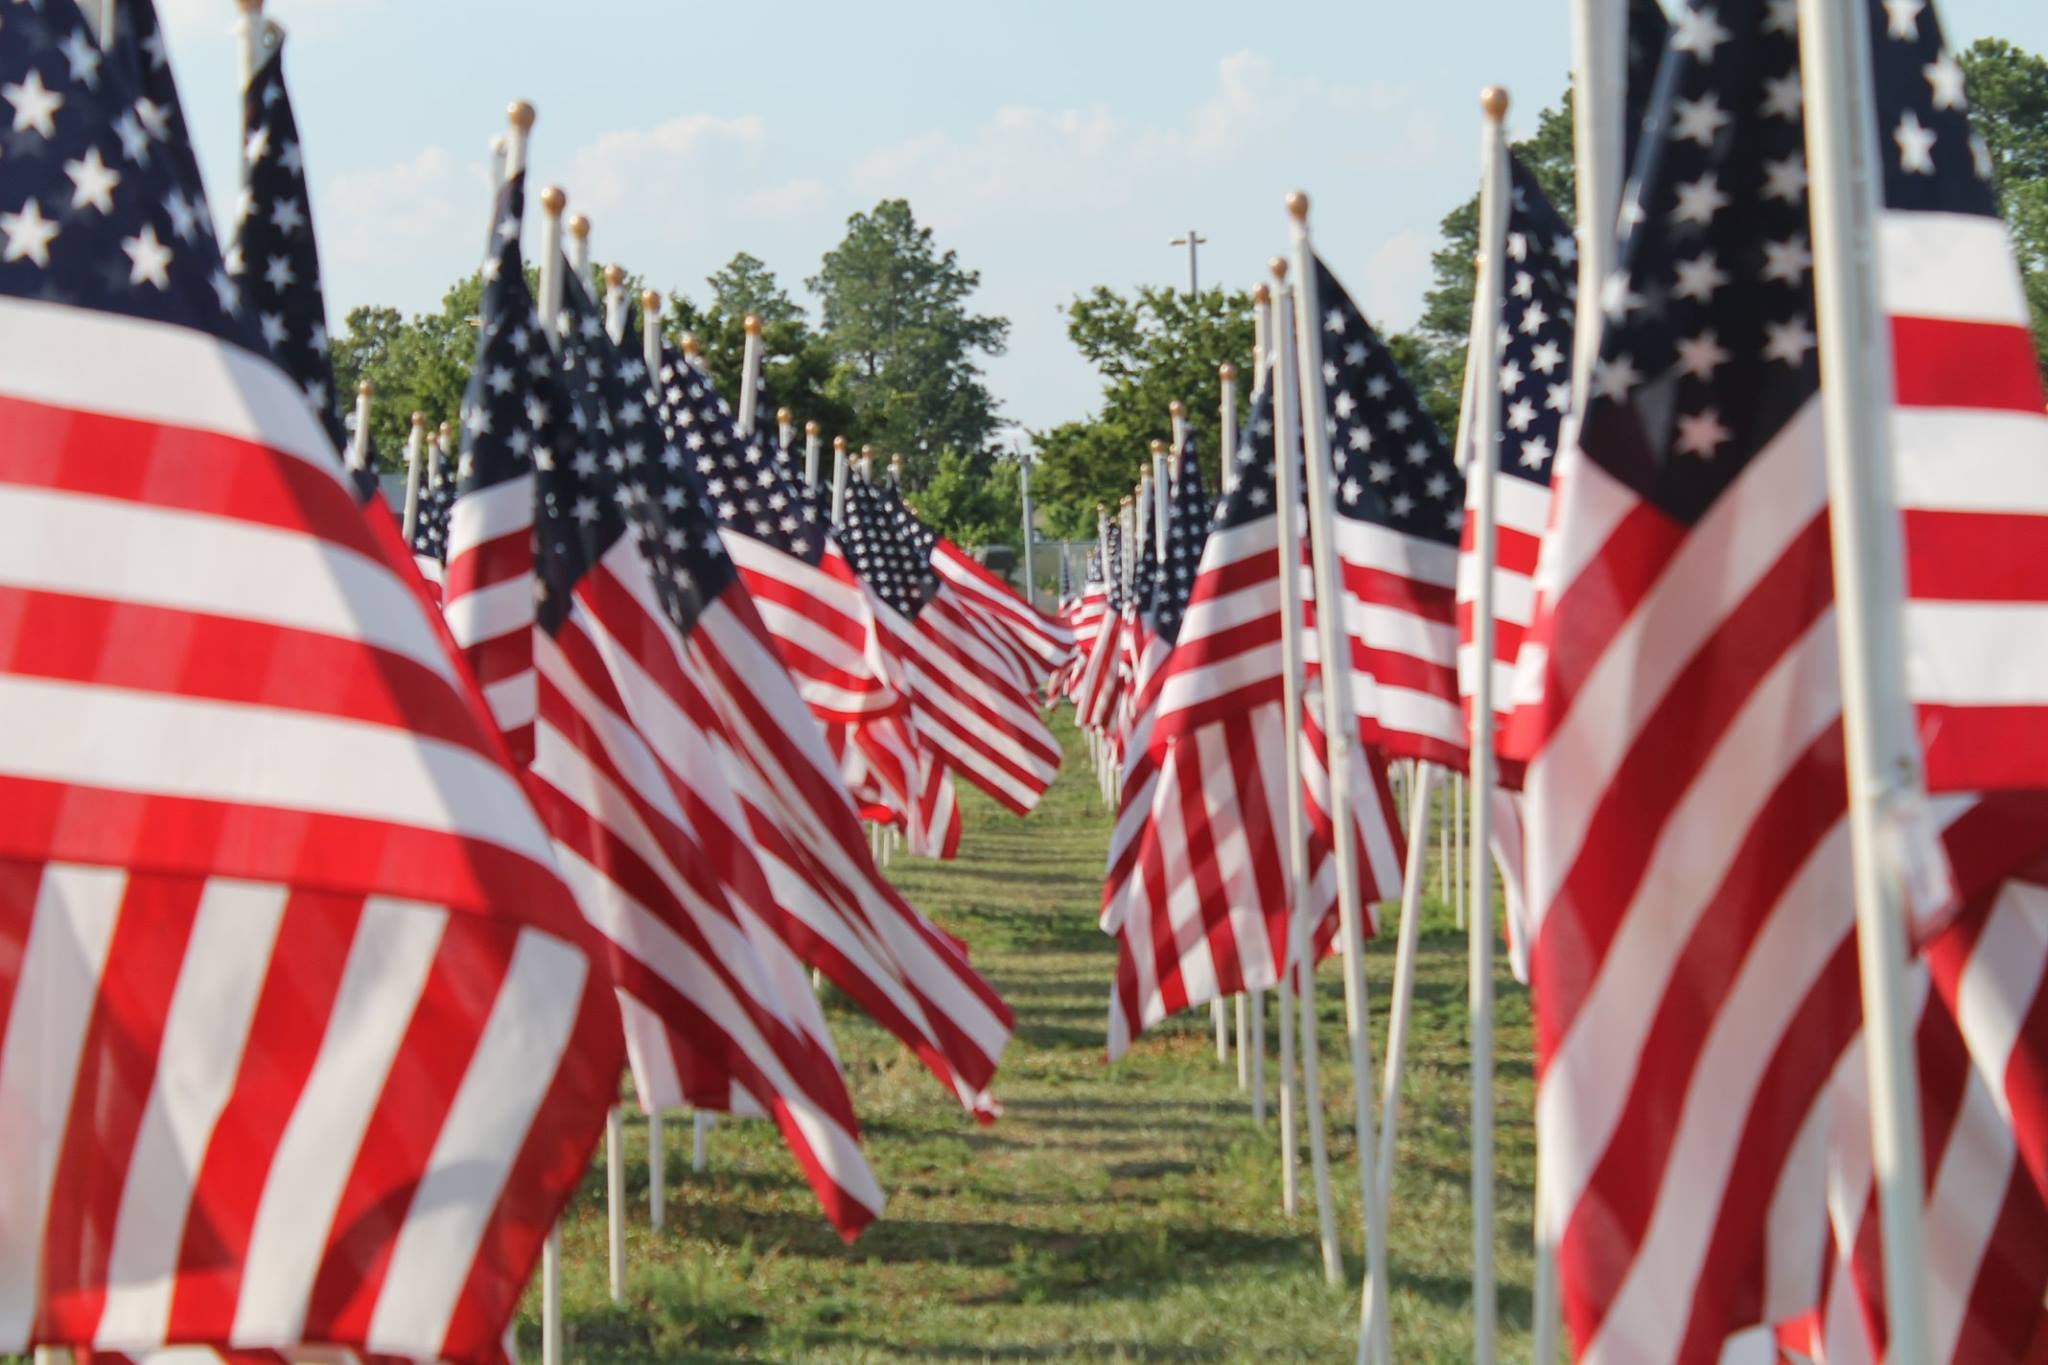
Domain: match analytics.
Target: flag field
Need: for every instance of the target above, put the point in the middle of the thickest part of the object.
(1126, 1212)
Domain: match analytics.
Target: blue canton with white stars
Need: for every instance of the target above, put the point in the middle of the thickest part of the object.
(1541, 282)
(274, 258)
(745, 479)
(513, 402)
(1708, 347)
(1187, 535)
(1394, 467)
(100, 201)
(1933, 161)
(888, 546)
(1252, 489)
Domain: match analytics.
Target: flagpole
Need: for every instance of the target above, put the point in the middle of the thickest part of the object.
(1226, 381)
(552, 201)
(1024, 494)
(1341, 737)
(785, 427)
(359, 439)
(1096, 746)
(750, 375)
(838, 480)
(615, 303)
(248, 43)
(812, 450)
(415, 458)
(1887, 803)
(1296, 981)
(1177, 413)
(615, 1119)
(1410, 935)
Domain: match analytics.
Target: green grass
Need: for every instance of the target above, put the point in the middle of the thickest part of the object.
(1119, 1213)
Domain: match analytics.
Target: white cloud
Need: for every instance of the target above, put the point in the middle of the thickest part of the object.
(413, 209)
(666, 162)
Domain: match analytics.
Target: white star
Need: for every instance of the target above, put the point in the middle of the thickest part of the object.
(1510, 377)
(1699, 200)
(1522, 415)
(1546, 357)
(1344, 404)
(1783, 97)
(1358, 438)
(1534, 319)
(84, 58)
(274, 330)
(478, 421)
(29, 234)
(1524, 286)
(184, 216)
(1617, 300)
(1518, 245)
(1378, 387)
(1397, 420)
(35, 105)
(155, 117)
(279, 275)
(1401, 504)
(287, 217)
(1558, 399)
(1700, 356)
(134, 141)
(585, 510)
(1380, 471)
(226, 293)
(1699, 277)
(1916, 145)
(1700, 120)
(148, 259)
(257, 146)
(292, 159)
(1783, 17)
(1905, 18)
(1437, 486)
(1698, 32)
(1418, 453)
(1535, 453)
(1615, 379)
(1788, 260)
(1333, 322)
(1788, 341)
(1785, 179)
(1945, 78)
(92, 184)
(1701, 433)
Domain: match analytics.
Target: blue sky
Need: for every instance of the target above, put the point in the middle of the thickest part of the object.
(1056, 144)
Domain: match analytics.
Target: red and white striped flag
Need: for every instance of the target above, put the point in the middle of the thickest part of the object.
(301, 1037)
(1041, 643)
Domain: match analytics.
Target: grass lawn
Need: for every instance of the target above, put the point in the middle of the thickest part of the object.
(1122, 1213)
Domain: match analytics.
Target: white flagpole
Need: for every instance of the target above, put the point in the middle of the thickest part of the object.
(102, 15)
(750, 376)
(838, 480)
(415, 459)
(615, 303)
(552, 201)
(1226, 379)
(1483, 471)
(1286, 502)
(1341, 736)
(359, 439)
(657, 1164)
(813, 449)
(249, 45)
(1409, 936)
(551, 1341)
(1887, 803)
(1024, 463)
(615, 1199)
(785, 427)
(579, 248)
(1177, 413)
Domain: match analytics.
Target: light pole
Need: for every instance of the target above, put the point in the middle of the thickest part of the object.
(1024, 463)
(1192, 241)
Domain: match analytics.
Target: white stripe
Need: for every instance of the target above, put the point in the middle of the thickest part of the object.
(514, 701)
(92, 361)
(656, 1080)
(56, 987)
(2000, 982)
(508, 1076)
(260, 756)
(61, 542)
(1949, 265)
(489, 612)
(1963, 1206)
(482, 515)
(1395, 630)
(1977, 653)
(220, 979)
(1773, 501)
(1586, 1080)
(1971, 460)
(387, 968)
(1367, 545)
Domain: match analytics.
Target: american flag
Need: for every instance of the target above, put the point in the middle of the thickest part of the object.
(1094, 687)
(303, 1038)
(1084, 617)
(430, 518)
(1696, 979)
(1198, 890)
(966, 699)
(1400, 504)
(698, 675)
(274, 258)
(1040, 644)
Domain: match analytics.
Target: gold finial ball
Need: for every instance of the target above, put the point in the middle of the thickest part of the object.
(1297, 207)
(1262, 295)
(553, 199)
(520, 115)
(1159, 447)
(251, 6)
(614, 276)
(366, 388)
(650, 299)
(839, 444)
(446, 431)
(783, 417)
(1177, 408)
(812, 429)
(579, 226)
(1278, 265)
(1226, 371)
(1494, 100)
(690, 346)
(751, 325)
(866, 451)
(419, 421)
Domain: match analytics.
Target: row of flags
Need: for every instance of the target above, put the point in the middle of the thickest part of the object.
(348, 862)
(1671, 807)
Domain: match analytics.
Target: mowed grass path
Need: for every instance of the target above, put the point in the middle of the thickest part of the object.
(1120, 1213)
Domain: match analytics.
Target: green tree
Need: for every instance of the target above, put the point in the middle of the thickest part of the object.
(1151, 348)
(2008, 89)
(419, 364)
(905, 343)
(1433, 354)
(972, 499)
(746, 285)
(797, 366)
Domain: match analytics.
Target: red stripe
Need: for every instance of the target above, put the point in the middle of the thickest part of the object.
(1947, 363)
(1984, 748)
(472, 567)
(1977, 556)
(1664, 756)
(188, 654)
(116, 1070)
(290, 1021)
(1433, 602)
